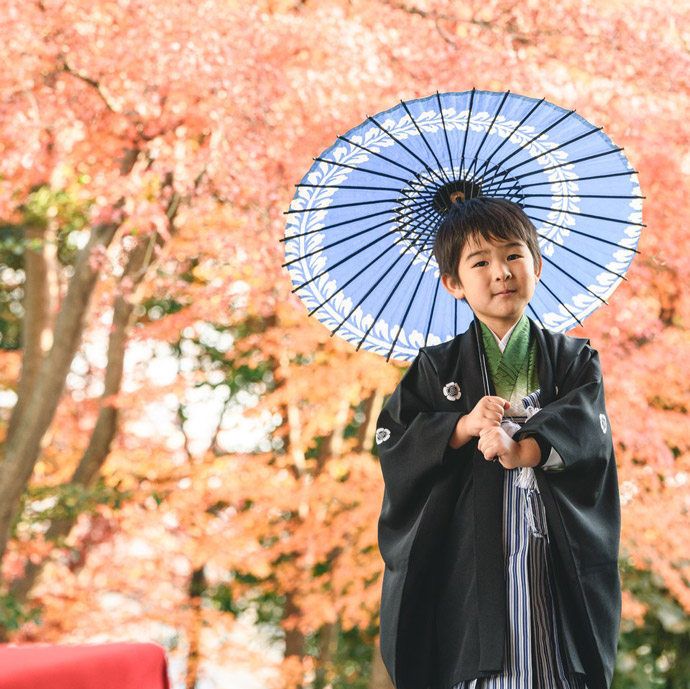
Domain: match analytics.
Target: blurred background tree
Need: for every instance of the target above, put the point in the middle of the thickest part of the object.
(185, 454)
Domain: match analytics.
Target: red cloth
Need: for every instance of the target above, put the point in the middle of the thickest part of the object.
(95, 666)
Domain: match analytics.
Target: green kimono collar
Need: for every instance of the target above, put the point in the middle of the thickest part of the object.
(514, 367)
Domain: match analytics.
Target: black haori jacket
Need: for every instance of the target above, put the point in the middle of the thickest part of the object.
(443, 604)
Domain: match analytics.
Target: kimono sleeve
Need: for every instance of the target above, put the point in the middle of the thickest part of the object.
(413, 433)
(576, 424)
(414, 429)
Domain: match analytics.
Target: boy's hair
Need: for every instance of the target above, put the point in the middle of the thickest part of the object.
(486, 217)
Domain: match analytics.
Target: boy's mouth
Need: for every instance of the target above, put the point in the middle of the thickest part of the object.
(505, 293)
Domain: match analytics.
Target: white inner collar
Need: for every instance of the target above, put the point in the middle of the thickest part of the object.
(503, 342)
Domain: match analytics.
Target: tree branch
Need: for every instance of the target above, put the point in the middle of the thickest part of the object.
(110, 103)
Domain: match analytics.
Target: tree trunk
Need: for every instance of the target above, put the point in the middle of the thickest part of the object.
(40, 305)
(379, 679)
(22, 451)
(197, 586)
(294, 639)
(333, 444)
(367, 431)
(106, 424)
(328, 645)
(99, 443)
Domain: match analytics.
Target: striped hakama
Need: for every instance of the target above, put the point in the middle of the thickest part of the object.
(532, 659)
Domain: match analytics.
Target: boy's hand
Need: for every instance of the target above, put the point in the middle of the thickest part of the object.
(487, 413)
(495, 442)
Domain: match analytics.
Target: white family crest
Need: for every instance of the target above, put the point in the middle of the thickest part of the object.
(382, 434)
(604, 422)
(452, 391)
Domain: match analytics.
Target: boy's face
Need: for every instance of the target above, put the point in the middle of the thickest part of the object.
(497, 279)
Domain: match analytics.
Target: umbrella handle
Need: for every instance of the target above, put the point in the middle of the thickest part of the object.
(482, 357)
(482, 363)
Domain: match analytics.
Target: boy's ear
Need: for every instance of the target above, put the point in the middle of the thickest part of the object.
(453, 286)
(537, 271)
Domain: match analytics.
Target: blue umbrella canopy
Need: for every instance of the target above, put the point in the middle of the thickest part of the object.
(361, 227)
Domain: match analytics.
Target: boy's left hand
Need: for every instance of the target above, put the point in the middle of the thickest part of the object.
(495, 442)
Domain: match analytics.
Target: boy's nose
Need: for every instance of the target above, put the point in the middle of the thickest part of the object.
(502, 272)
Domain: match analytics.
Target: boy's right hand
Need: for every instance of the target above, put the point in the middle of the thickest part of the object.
(487, 413)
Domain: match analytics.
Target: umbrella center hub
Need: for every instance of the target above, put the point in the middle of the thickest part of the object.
(455, 192)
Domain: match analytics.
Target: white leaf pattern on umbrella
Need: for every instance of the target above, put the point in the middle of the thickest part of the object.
(563, 211)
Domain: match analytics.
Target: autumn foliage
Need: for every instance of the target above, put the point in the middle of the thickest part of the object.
(183, 448)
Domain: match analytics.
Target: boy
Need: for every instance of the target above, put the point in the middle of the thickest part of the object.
(500, 522)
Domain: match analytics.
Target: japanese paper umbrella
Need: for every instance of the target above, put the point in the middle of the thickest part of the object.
(361, 227)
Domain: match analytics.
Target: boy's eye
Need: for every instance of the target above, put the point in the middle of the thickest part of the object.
(512, 257)
(479, 264)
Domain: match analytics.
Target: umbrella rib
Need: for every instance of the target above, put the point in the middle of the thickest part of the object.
(401, 190)
(472, 169)
(445, 134)
(467, 129)
(497, 181)
(405, 191)
(433, 220)
(427, 231)
(426, 142)
(390, 294)
(580, 179)
(426, 203)
(532, 140)
(400, 239)
(338, 224)
(328, 246)
(536, 315)
(464, 144)
(409, 306)
(402, 145)
(575, 280)
(427, 207)
(383, 157)
(585, 258)
(428, 220)
(361, 169)
(584, 234)
(517, 193)
(584, 196)
(372, 202)
(560, 301)
(349, 186)
(351, 255)
(505, 141)
(356, 275)
(588, 215)
(371, 289)
(431, 313)
(569, 162)
(556, 148)
(509, 191)
(424, 192)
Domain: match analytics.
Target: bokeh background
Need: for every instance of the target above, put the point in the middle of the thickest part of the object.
(186, 457)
